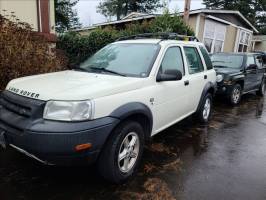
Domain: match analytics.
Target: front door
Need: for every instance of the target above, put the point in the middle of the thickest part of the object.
(170, 102)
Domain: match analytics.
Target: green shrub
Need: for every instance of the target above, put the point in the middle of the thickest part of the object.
(79, 47)
(23, 52)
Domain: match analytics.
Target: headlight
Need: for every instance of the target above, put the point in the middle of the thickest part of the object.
(219, 78)
(69, 110)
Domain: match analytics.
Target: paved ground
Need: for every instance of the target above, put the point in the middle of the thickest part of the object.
(223, 161)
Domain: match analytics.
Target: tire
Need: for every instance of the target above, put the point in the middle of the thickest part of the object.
(205, 110)
(235, 95)
(108, 165)
(261, 91)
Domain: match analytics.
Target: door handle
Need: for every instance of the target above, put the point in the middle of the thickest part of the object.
(186, 83)
(205, 76)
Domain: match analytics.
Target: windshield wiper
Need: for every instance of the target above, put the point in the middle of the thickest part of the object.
(81, 69)
(218, 61)
(219, 66)
(107, 70)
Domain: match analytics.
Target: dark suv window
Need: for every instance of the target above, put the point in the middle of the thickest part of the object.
(206, 58)
(173, 60)
(259, 62)
(193, 58)
(250, 60)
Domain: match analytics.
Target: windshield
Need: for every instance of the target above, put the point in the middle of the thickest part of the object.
(123, 59)
(227, 60)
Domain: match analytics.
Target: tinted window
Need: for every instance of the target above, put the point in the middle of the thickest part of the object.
(194, 62)
(227, 61)
(172, 60)
(206, 58)
(250, 60)
(128, 59)
(264, 58)
(258, 60)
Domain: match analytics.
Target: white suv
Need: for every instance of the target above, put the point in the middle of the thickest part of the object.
(105, 109)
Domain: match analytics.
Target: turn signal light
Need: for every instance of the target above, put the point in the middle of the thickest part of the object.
(82, 147)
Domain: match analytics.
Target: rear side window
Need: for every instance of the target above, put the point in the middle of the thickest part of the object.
(172, 60)
(259, 62)
(193, 58)
(250, 60)
(206, 58)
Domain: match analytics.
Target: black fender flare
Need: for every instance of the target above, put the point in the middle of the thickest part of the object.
(238, 78)
(131, 109)
(208, 86)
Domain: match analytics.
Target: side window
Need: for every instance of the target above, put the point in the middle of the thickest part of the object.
(263, 57)
(206, 58)
(259, 62)
(250, 61)
(172, 60)
(193, 58)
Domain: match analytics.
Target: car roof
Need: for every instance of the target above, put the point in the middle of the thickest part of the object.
(158, 41)
(241, 54)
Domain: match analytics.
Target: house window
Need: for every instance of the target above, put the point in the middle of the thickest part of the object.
(244, 40)
(214, 36)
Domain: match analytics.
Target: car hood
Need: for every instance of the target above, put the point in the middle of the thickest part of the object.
(72, 85)
(227, 71)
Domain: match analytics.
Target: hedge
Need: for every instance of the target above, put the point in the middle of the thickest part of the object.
(23, 52)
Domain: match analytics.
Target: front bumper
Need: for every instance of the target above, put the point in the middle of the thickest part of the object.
(52, 142)
(58, 147)
(223, 90)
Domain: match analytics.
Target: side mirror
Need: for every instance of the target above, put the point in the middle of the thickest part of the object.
(169, 75)
(252, 66)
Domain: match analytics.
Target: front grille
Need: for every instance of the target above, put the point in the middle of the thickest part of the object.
(17, 113)
(22, 106)
(15, 107)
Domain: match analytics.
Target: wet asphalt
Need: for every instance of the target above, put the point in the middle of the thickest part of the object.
(225, 160)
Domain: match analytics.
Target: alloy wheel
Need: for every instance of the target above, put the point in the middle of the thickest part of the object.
(207, 109)
(236, 95)
(128, 152)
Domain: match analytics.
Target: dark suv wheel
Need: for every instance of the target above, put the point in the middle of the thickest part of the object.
(122, 153)
(235, 94)
(261, 90)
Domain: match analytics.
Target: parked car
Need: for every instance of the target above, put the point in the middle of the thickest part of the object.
(238, 74)
(105, 110)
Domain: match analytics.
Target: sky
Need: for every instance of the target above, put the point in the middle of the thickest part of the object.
(87, 10)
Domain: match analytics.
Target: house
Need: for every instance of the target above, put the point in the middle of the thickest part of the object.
(40, 14)
(259, 43)
(219, 30)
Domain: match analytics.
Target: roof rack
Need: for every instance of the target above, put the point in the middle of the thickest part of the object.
(162, 36)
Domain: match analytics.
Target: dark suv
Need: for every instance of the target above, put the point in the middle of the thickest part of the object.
(239, 73)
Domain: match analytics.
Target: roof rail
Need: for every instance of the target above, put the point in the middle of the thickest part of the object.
(162, 36)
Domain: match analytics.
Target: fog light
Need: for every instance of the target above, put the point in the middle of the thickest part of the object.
(224, 88)
(82, 147)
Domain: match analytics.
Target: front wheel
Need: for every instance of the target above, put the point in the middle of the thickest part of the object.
(205, 110)
(122, 153)
(261, 91)
(235, 94)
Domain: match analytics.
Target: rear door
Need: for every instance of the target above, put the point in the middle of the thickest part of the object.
(259, 63)
(251, 74)
(197, 76)
(210, 72)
